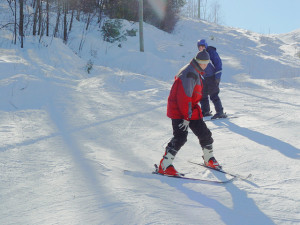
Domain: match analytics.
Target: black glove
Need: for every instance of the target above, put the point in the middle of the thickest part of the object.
(217, 80)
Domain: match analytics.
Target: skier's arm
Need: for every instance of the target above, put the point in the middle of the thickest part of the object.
(217, 62)
(184, 95)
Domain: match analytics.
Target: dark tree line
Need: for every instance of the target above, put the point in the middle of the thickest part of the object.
(33, 17)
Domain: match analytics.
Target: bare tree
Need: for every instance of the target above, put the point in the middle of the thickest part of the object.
(13, 9)
(21, 23)
(88, 21)
(65, 11)
(57, 19)
(193, 9)
(141, 20)
(15, 25)
(204, 9)
(199, 9)
(215, 12)
(47, 18)
(35, 17)
(71, 21)
(40, 16)
(100, 5)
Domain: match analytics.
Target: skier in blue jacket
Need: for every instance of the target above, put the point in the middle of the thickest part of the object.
(212, 78)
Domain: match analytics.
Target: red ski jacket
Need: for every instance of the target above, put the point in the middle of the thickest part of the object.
(186, 93)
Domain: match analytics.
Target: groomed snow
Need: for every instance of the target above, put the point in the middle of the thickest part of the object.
(66, 136)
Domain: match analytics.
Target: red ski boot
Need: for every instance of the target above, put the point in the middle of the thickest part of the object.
(209, 159)
(213, 163)
(166, 167)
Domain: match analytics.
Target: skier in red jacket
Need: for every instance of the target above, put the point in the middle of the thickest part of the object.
(185, 112)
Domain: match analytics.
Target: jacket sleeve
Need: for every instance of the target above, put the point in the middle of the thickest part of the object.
(217, 62)
(185, 93)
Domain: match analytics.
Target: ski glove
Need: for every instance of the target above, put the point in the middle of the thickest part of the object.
(184, 125)
(217, 81)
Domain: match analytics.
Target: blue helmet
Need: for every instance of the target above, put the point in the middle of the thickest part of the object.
(202, 42)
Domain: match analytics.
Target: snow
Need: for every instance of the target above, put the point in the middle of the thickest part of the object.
(66, 135)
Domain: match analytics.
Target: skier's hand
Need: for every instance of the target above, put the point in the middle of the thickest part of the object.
(217, 81)
(184, 125)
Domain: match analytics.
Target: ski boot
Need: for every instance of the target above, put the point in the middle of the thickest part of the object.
(219, 115)
(165, 165)
(209, 159)
(208, 113)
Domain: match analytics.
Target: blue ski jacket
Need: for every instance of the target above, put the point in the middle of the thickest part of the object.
(215, 65)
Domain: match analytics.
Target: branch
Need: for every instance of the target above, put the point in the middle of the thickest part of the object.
(9, 3)
(6, 25)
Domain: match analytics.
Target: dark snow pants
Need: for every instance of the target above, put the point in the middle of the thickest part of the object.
(198, 127)
(211, 89)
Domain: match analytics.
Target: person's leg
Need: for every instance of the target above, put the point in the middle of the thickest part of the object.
(205, 107)
(217, 102)
(204, 135)
(218, 106)
(178, 140)
(200, 129)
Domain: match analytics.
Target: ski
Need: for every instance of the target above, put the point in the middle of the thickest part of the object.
(209, 118)
(182, 176)
(223, 171)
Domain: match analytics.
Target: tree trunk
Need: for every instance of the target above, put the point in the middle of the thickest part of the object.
(21, 23)
(15, 25)
(35, 19)
(40, 16)
(198, 9)
(100, 10)
(47, 19)
(88, 21)
(57, 19)
(71, 22)
(65, 9)
(141, 25)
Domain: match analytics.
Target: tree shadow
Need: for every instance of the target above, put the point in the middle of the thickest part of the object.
(263, 139)
(243, 211)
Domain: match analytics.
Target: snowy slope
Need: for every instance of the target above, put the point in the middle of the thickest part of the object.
(66, 135)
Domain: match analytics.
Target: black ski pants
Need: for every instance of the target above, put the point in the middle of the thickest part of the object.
(211, 89)
(198, 127)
